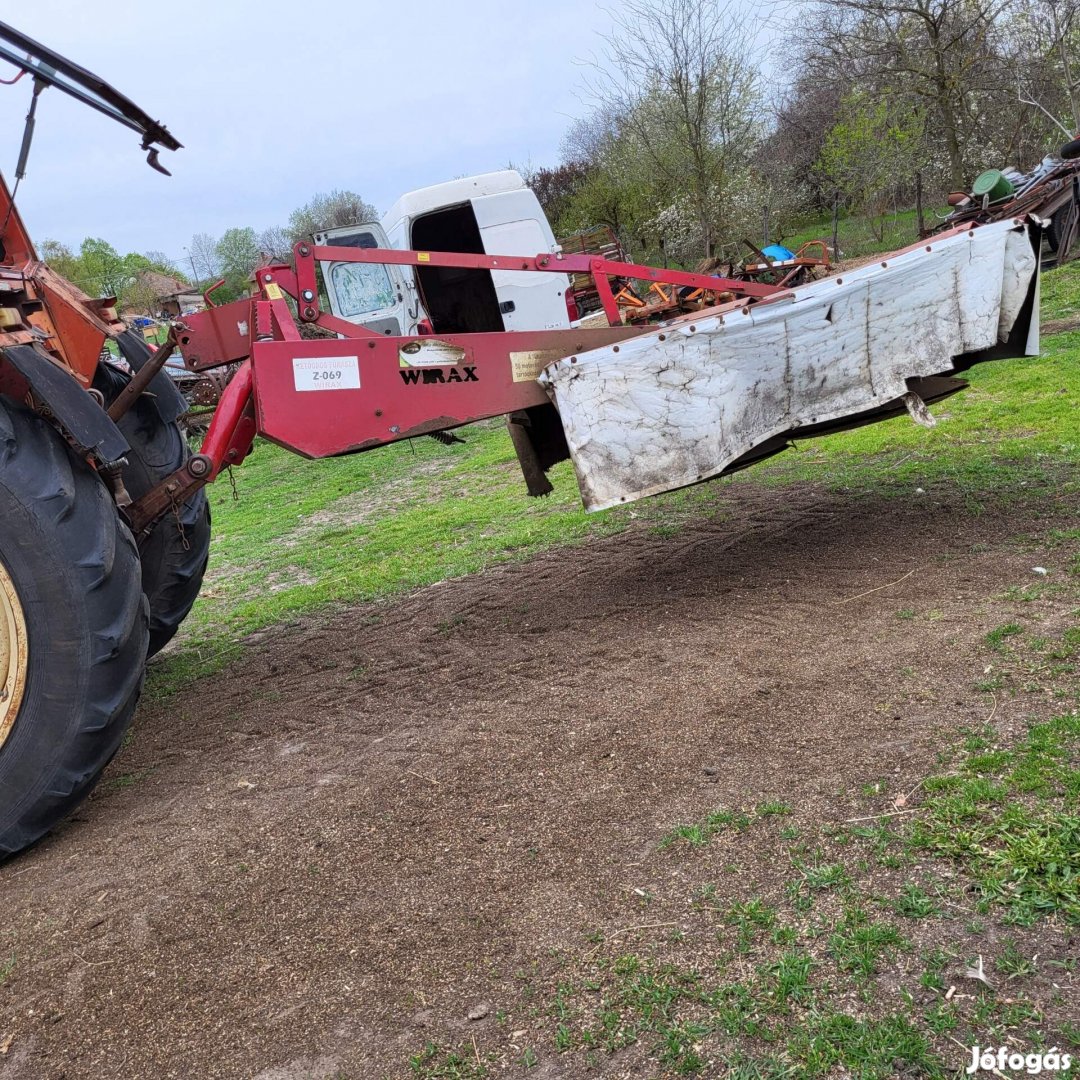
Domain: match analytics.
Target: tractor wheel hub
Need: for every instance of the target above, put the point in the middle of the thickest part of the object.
(13, 654)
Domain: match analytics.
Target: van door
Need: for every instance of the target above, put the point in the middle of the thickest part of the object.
(370, 294)
(512, 223)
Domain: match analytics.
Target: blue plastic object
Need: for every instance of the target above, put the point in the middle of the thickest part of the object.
(777, 252)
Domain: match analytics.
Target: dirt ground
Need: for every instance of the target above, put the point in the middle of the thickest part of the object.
(327, 855)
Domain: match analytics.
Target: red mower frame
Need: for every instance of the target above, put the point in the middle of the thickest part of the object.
(379, 389)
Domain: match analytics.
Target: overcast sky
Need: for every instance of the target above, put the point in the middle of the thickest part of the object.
(277, 101)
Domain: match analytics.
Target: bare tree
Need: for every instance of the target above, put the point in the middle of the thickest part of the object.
(203, 253)
(806, 111)
(679, 75)
(941, 52)
(329, 211)
(158, 260)
(275, 243)
(1045, 36)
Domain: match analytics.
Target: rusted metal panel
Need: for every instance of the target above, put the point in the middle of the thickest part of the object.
(685, 402)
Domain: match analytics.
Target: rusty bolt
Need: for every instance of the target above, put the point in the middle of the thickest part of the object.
(371, 344)
(309, 313)
(378, 412)
(303, 249)
(199, 465)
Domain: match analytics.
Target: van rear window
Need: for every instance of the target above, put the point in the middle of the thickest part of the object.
(361, 288)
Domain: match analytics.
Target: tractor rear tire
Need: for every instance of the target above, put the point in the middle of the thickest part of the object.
(73, 628)
(175, 554)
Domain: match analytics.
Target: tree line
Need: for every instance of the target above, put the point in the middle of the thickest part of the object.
(687, 146)
(699, 129)
(100, 270)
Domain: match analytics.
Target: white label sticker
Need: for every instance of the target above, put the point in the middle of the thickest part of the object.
(432, 353)
(326, 373)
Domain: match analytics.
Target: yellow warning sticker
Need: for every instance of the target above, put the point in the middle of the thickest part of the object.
(526, 366)
(423, 256)
(273, 292)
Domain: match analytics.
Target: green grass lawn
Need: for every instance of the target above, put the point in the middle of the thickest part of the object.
(859, 236)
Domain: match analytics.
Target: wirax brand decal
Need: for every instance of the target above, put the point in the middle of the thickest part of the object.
(428, 375)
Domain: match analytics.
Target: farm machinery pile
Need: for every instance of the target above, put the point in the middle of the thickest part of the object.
(104, 524)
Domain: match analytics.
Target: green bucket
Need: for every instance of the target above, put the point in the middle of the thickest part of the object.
(994, 183)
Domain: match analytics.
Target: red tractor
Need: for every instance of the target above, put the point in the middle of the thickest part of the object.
(81, 604)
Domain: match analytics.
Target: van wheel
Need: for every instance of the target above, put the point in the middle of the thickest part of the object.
(73, 628)
(174, 555)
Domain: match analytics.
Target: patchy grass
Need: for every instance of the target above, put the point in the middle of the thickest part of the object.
(997, 636)
(1009, 817)
(699, 833)
(439, 1063)
(850, 966)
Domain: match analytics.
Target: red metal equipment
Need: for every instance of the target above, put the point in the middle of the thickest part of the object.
(334, 396)
(786, 273)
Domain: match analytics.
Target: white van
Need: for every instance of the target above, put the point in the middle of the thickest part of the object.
(495, 214)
